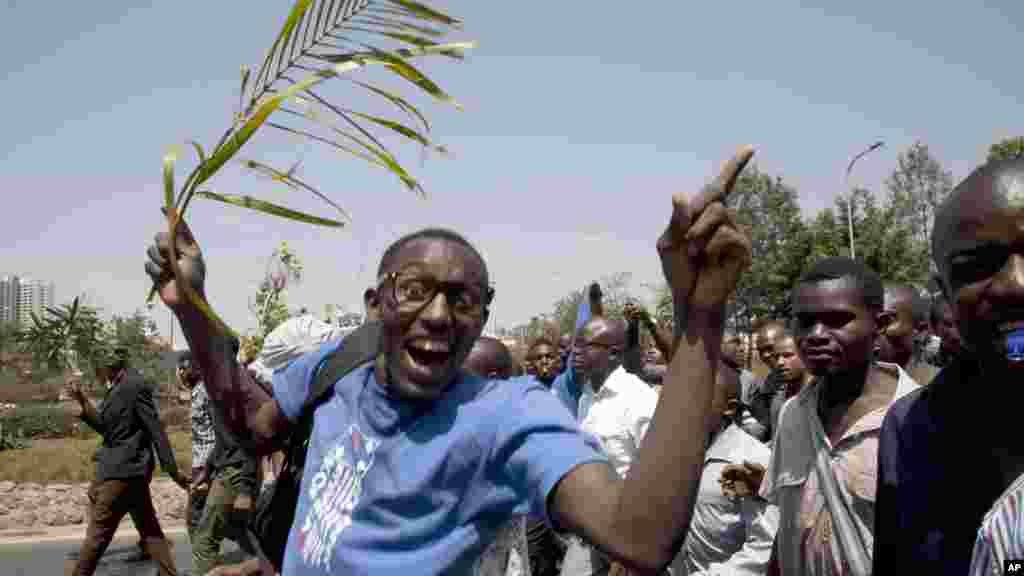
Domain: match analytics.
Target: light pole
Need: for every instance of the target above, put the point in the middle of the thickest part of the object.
(846, 184)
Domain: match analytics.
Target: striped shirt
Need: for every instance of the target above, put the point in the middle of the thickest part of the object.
(1001, 536)
(202, 426)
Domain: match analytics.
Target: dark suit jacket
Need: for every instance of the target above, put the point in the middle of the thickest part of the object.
(127, 419)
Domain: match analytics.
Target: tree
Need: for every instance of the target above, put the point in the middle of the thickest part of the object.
(615, 294)
(270, 304)
(8, 340)
(884, 242)
(768, 209)
(916, 188)
(132, 332)
(1006, 149)
(66, 338)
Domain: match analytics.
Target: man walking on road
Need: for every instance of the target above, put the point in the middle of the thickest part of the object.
(128, 421)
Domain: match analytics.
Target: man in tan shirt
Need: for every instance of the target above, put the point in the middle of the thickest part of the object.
(824, 457)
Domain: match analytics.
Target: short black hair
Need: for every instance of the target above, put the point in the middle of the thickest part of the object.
(539, 341)
(427, 233)
(918, 305)
(839, 267)
(935, 313)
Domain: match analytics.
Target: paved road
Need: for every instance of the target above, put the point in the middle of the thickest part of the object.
(47, 558)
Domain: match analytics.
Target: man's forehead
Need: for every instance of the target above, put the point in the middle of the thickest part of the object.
(974, 210)
(439, 256)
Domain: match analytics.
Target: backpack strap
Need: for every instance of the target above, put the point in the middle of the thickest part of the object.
(356, 349)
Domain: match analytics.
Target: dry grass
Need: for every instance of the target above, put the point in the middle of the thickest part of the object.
(70, 459)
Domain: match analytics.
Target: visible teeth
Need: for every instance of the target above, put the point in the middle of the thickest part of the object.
(430, 347)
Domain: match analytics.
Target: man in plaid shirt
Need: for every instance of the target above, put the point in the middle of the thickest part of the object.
(202, 434)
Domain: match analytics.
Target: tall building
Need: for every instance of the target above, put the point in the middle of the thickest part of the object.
(10, 290)
(33, 296)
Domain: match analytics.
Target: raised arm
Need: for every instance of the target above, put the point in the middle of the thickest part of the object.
(642, 521)
(250, 412)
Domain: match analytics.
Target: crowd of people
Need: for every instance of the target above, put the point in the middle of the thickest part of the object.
(878, 437)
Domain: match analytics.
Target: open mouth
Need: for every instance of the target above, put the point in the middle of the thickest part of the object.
(429, 354)
(428, 357)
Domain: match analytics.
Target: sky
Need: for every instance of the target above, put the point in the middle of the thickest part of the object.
(579, 121)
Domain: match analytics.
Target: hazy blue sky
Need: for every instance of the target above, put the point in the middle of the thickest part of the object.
(580, 121)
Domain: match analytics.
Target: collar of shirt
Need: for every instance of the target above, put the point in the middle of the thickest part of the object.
(626, 392)
(794, 444)
(808, 399)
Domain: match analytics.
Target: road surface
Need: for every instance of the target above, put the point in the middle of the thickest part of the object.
(47, 557)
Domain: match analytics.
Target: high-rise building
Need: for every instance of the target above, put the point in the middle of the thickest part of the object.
(34, 296)
(10, 290)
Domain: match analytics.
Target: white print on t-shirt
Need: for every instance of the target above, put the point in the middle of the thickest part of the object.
(333, 495)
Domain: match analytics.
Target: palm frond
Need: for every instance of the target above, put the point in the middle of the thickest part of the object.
(321, 40)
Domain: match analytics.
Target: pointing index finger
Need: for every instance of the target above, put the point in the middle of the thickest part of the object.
(719, 189)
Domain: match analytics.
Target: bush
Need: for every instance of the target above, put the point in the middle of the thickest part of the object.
(10, 441)
(70, 460)
(38, 421)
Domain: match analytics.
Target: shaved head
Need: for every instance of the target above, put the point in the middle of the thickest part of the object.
(489, 358)
(996, 185)
(609, 330)
(599, 348)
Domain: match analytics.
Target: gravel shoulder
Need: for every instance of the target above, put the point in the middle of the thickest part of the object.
(29, 506)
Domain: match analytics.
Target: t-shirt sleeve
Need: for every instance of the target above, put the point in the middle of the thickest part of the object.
(537, 444)
(291, 382)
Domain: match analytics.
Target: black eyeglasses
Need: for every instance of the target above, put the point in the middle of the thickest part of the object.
(548, 357)
(413, 291)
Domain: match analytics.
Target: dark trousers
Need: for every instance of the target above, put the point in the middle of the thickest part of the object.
(220, 519)
(109, 501)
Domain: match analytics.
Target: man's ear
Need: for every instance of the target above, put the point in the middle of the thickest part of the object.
(371, 302)
(882, 321)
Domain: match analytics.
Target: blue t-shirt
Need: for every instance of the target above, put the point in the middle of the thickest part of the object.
(396, 487)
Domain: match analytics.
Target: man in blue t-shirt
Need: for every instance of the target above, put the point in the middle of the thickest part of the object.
(413, 464)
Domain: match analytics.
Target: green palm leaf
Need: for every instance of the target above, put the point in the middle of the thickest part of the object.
(320, 40)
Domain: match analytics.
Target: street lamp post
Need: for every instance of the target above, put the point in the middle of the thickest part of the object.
(846, 184)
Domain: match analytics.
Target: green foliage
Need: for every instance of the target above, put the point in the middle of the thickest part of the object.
(769, 211)
(615, 294)
(132, 333)
(270, 304)
(916, 188)
(1006, 149)
(38, 421)
(11, 440)
(320, 40)
(66, 337)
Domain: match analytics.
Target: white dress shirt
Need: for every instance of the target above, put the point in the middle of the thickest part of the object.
(618, 415)
(728, 536)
